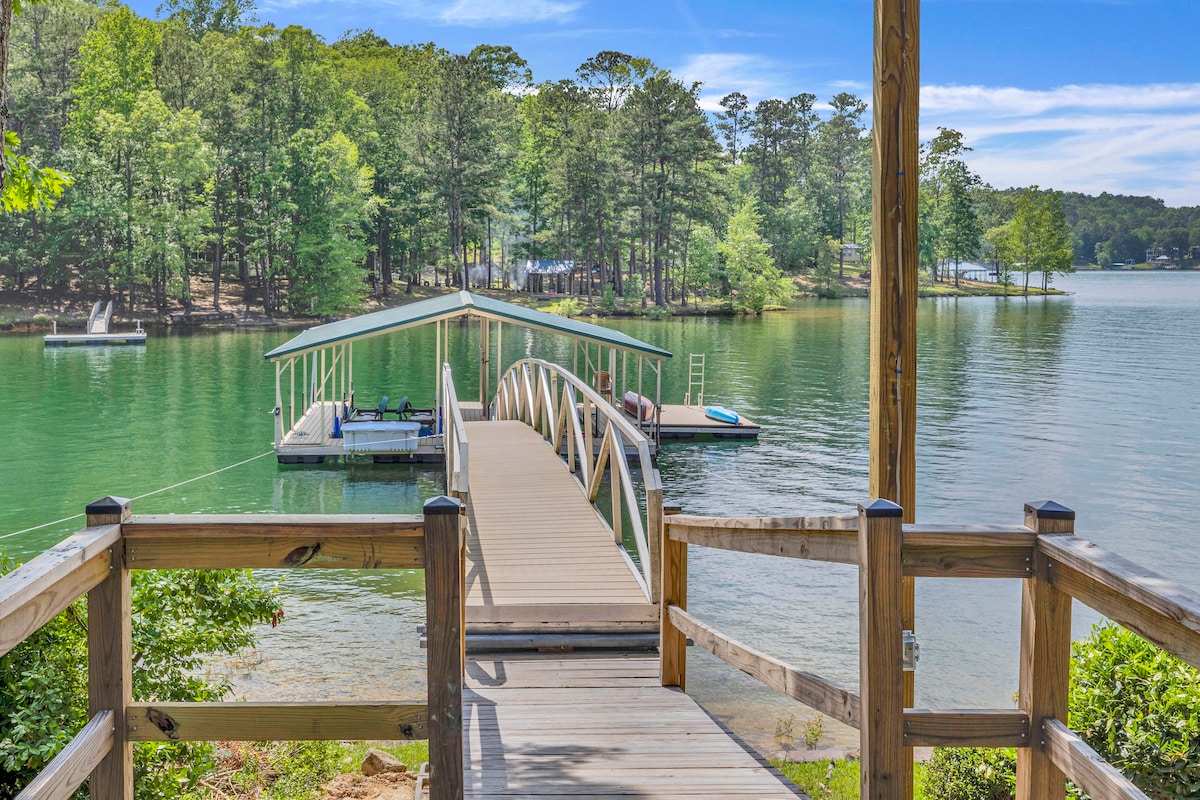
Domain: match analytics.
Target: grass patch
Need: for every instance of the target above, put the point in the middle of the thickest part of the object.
(838, 779)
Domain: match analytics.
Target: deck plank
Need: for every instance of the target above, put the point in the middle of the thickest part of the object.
(534, 539)
(598, 726)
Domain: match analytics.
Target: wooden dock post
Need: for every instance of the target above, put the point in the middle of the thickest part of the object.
(110, 656)
(672, 646)
(1045, 658)
(883, 770)
(894, 260)
(445, 659)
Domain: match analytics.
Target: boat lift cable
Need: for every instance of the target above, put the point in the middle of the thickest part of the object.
(147, 494)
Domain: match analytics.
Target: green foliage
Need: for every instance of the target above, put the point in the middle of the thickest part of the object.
(814, 729)
(826, 273)
(754, 279)
(179, 617)
(608, 300)
(283, 770)
(568, 307)
(705, 271)
(829, 779)
(1037, 238)
(26, 185)
(1133, 703)
(970, 773)
(306, 171)
(1139, 708)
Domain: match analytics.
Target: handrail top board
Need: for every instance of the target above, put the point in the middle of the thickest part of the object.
(329, 525)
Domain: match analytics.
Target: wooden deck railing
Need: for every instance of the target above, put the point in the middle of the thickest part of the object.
(557, 403)
(1054, 567)
(98, 561)
(454, 440)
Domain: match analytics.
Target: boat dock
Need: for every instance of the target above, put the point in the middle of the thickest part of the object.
(96, 331)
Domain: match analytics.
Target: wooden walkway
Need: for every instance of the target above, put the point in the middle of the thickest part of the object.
(539, 558)
(587, 723)
(598, 726)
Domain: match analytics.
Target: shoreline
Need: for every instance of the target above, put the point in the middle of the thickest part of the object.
(23, 318)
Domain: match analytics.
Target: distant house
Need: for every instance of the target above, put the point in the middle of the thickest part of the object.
(851, 253)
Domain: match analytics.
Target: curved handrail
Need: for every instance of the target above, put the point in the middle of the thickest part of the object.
(555, 402)
(454, 440)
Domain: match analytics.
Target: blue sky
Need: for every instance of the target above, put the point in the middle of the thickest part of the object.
(1085, 95)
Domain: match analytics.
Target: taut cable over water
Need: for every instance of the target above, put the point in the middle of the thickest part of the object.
(142, 496)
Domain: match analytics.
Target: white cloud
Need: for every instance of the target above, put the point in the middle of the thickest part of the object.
(507, 12)
(721, 73)
(1124, 139)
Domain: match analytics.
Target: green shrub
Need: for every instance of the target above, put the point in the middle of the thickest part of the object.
(1139, 708)
(970, 773)
(660, 312)
(568, 307)
(179, 617)
(608, 300)
(1134, 704)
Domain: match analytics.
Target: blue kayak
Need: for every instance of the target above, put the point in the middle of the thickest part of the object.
(722, 414)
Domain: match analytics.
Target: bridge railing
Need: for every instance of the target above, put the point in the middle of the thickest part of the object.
(1054, 567)
(454, 440)
(594, 437)
(98, 561)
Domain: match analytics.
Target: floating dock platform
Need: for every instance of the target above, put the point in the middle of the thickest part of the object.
(96, 331)
(681, 422)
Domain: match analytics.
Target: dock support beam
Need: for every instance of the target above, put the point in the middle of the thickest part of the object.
(886, 767)
(894, 262)
(110, 656)
(1045, 658)
(444, 603)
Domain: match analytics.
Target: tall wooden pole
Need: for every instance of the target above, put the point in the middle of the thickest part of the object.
(893, 387)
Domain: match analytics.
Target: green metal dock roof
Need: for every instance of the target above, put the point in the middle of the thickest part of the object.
(450, 306)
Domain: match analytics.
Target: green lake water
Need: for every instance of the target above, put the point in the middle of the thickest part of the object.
(1092, 399)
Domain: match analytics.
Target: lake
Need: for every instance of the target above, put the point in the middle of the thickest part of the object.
(1091, 399)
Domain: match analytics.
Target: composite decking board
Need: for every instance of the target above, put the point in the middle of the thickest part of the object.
(537, 725)
(533, 538)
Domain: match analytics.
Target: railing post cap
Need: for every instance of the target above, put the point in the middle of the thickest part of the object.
(441, 505)
(108, 505)
(881, 508)
(1048, 509)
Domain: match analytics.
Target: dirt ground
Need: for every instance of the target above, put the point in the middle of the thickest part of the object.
(385, 786)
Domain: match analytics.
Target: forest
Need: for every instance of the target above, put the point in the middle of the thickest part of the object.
(312, 176)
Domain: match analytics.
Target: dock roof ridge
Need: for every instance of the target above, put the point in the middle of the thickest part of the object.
(449, 306)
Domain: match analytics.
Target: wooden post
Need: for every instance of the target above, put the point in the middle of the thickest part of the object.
(883, 769)
(1045, 657)
(110, 657)
(485, 359)
(894, 262)
(672, 648)
(654, 540)
(444, 654)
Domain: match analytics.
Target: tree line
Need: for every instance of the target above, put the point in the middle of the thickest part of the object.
(311, 175)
